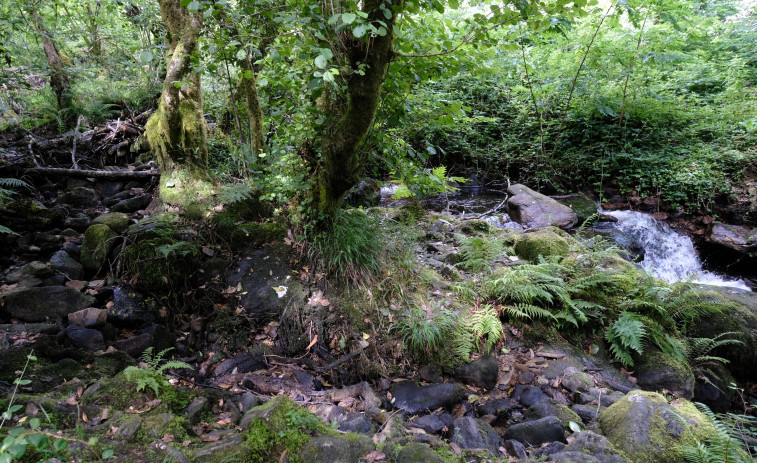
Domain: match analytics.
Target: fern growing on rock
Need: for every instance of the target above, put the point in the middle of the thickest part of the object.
(625, 337)
(725, 445)
(151, 374)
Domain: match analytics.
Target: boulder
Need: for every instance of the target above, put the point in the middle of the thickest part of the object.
(714, 389)
(535, 210)
(416, 452)
(47, 302)
(658, 371)
(582, 205)
(537, 243)
(537, 432)
(588, 447)
(129, 309)
(483, 372)
(739, 238)
(116, 221)
(528, 395)
(98, 241)
(415, 399)
(648, 429)
(470, 433)
(551, 407)
(79, 197)
(62, 262)
(78, 222)
(132, 204)
(432, 424)
(30, 274)
(335, 449)
(85, 338)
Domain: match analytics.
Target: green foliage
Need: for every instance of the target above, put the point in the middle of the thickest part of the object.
(351, 247)
(699, 352)
(478, 253)
(625, 337)
(424, 329)
(6, 191)
(478, 331)
(151, 374)
(429, 182)
(727, 445)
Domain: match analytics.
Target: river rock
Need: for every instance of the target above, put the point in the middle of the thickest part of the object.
(537, 243)
(432, 424)
(647, 429)
(46, 302)
(483, 372)
(528, 395)
(85, 338)
(537, 432)
(470, 433)
(416, 452)
(335, 449)
(356, 422)
(365, 194)
(78, 222)
(535, 210)
(116, 221)
(129, 309)
(30, 274)
(98, 241)
(132, 204)
(62, 262)
(88, 317)
(79, 197)
(658, 371)
(242, 363)
(414, 399)
(586, 447)
(737, 237)
(551, 407)
(582, 205)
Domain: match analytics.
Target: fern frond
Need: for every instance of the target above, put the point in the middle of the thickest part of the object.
(13, 183)
(626, 335)
(6, 230)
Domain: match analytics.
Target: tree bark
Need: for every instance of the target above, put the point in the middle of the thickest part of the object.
(176, 131)
(59, 78)
(248, 85)
(349, 121)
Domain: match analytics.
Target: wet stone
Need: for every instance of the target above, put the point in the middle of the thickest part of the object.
(528, 395)
(432, 424)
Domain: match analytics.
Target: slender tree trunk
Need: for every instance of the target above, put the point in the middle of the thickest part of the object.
(177, 130)
(350, 120)
(59, 78)
(248, 85)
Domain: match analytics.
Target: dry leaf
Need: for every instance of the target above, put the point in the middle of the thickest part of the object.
(167, 438)
(312, 343)
(374, 456)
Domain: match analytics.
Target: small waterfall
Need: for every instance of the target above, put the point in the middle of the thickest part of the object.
(668, 255)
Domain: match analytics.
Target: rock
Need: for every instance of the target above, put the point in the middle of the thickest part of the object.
(356, 422)
(534, 210)
(657, 371)
(258, 273)
(429, 423)
(546, 450)
(47, 242)
(335, 449)
(551, 407)
(116, 221)
(31, 272)
(79, 197)
(582, 205)
(78, 222)
(98, 241)
(715, 391)
(73, 249)
(228, 445)
(416, 453)
(247, 401)
(88, 317)
(242, 363)
(129, 309)
(537, 243)
(498, 408)
(588, 444)
(132, 204)
(85, 338)
(736, 237)
(128, 427)
(113, 199)
(740, 317)
(588, 413)
(415, 399)
(62, 262)
(39, 304)
(195, 409)
(516, 449)
(135, 345)
(470, 433)
(528, 395)
(365, 194)
(537, 432)
(483, 372)
(577, 381)
(647, 429)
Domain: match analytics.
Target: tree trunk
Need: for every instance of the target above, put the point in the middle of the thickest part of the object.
(59, 78)
(248, 85)
(177, 131)
(350, 121)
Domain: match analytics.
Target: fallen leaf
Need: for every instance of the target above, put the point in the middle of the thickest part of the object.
(167, 438)
(374, 456)
(312, 343)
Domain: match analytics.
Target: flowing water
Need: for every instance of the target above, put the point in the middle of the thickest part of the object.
(668, 255)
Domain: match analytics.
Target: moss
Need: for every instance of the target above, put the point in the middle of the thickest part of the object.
(410, 213)
(184, 187)
(471, 227)
(256, 234)
(99, 239)
(117, 221)
(544, 243)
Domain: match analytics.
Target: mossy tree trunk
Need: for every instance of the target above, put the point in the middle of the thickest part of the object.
(60, 80)
(176, 131)
(351, 116)
(248, 85)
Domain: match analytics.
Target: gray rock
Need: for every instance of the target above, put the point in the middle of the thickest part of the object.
(429, 423)
(516, 449)
(85, 338)
(335, 449)
(587, 443)
(417, 453)
(552, 407)
(48, 302)
(534, 210)
(129, 309)
(356, 422)
(135, 345)
(657, 371)
(196, 408)
(736, 237)
(416, 399)
(547, 450)
(470, 433)
(116, 221)
(583, 206)
(528, 395)
(716, 391)
(62, 262)
(537, 432)
(498, 408)
(132, 204)
(242, 363)
(34, 271)
(572, 457)
(98, 241)
(483, 372)
(79, 222)
(365, 194)
(248, 401)
(578, 381)
(588, 413)
(226, 446)
(79, 197)
(128, 428)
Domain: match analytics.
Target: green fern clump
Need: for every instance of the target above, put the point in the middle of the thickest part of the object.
(151, 374)
(699, 352)
(423, 331)
(235, 192)
(726, 445)
(478, 331)
(479, 252)
(625, 337)
(6, 191)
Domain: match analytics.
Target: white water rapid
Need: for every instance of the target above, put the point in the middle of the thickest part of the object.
(668, 256)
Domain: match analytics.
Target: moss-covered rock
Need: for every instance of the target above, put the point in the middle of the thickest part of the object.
(336, 449)
(79, 197)
(648, 429)
(658, 371)
(252, 234)
(583, 206)
(552, 407)
(98, 241)
(416, 452)
(45, 302)
(545, 243)
(116, 221)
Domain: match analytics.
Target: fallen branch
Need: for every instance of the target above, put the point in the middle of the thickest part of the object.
(96, 173)
(74, 164)
(489, 212)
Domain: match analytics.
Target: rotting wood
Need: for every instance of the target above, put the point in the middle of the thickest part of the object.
(95, 173)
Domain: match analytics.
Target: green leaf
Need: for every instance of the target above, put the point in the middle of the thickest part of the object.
(348, 18)
(39, 441)
(60, 445)
(108, 454)
(574, 426)
(359, 30)
(194, 6)
(22, 382)
(146, 57)
(321, 61)
(241, 54)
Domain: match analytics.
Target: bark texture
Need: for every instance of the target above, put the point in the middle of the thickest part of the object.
(249, 88)
(59, 78)
(177, 130)
(351, 119)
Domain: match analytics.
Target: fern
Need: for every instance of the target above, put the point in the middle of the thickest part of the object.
(479, 331)
(626, 336)
(236, 192)
(724, 446)
(527, 311)
(478, 253)
(151, 376)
